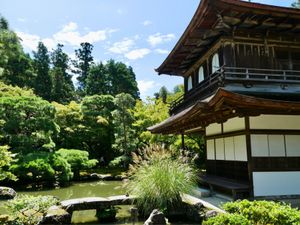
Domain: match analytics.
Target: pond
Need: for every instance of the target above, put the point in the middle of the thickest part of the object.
(86, 189)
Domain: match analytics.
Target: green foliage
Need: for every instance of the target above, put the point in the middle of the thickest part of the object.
(97, 117)
(34, 167)
(63, 87)
(260, 213)
(120, 161)
(122, 119)
(42, 166)
(28, 124)
(112, 78)
(83, 63)
(14, 91)
(15, 65)
(43, 81)
(97, 82)
(6, 158)
(158, 181)
(73, 128)
(163, 94)
(227, 219)
(78, 159)
(29, 210)
(62, 168)
(147, 114)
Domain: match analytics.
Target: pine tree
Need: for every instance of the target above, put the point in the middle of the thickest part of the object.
(82, 64)
(63, 87)
(121, 79)
(43, 81)
(97, 82)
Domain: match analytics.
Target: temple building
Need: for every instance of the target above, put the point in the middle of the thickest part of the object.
(241, 67)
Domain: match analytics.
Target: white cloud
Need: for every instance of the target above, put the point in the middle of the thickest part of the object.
(68, 35)
(137, 53)
(49, 43)
(122, 47)
(29, 41)
(147, 23)
(162, 51)
(159, 38)
(71, 26)
(145, 86)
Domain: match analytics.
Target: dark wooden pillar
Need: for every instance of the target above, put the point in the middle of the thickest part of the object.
(249, 155)
(182, 141)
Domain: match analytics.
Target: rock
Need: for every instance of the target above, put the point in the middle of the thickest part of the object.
(156, 218)
(195, 212)
(120, 177)
(7, 193)
(210, 213)
(106, 177)
(56, 215)
(94, 176)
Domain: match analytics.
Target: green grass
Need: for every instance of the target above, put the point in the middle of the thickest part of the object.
(158, 182)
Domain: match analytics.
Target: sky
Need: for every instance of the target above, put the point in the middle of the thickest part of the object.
(139, 33)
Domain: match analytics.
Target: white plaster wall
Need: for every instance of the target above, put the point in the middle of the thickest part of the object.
(240, 148)
(229, 148)
(276, 183)
(276, 145)
(234, 124)
(282, 122)
(214, 128)
(210, 148)
(292, 145)
(259, 145)
(220, 149)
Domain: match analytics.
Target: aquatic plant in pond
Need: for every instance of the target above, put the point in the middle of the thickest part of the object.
(158, 181)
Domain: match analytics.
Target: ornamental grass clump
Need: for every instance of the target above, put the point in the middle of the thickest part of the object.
(158, 179)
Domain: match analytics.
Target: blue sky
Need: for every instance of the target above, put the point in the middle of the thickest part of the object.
(139, 33)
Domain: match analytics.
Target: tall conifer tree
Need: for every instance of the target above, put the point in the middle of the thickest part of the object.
(43, 81)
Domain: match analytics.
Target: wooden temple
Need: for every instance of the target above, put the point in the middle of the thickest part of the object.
(241, 67)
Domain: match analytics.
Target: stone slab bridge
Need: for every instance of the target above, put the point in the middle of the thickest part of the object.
(62, 214)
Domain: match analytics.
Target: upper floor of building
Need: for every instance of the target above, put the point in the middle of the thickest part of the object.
(243, 47)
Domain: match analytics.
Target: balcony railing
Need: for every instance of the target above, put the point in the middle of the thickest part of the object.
(248, 77)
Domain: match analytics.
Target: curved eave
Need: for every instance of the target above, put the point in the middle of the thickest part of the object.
(204, 19)
(219, 107)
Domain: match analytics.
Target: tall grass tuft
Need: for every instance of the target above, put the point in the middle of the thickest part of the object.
(158, 179)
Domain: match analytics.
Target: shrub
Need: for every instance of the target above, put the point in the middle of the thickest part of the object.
(78, 159)
(120, 161)
(42, 166)
(29, 210)
(159, 181)
(261, 212)
(227, 219)
(34, 167)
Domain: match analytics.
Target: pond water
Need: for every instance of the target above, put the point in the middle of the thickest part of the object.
(86, 189)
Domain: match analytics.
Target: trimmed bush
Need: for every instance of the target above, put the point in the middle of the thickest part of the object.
(227, 219)
(258, 213)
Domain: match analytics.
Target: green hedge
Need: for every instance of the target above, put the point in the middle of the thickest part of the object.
(256, 213)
